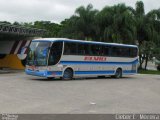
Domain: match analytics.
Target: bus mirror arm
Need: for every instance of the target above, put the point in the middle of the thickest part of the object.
(23, 49)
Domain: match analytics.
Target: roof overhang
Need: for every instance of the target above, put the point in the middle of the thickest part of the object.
(17, 32)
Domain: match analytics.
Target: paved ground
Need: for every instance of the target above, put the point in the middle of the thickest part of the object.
(20, 93)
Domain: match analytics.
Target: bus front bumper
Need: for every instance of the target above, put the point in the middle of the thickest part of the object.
(44, 73)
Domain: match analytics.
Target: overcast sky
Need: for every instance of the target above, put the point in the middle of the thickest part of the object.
(56, 10)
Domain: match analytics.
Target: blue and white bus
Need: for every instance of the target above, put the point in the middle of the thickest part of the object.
(67, 58)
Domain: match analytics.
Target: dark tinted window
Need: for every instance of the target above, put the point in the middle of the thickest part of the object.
(105, 50)
(133, 52)
(70, 48)
(55, 53)
(81, 50)
(76, 49)
(97, 50)
(123, 52)
(87, 49)
(115, 52)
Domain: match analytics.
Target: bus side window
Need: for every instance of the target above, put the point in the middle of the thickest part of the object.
(133, 52)
(119, 52)
(126, 52)
(66, 49)
(86, 49)
(81, 49)
(70, 48)
(114, 51)
(100, 50)
(106, 50)
(89, 50)
(95, 50)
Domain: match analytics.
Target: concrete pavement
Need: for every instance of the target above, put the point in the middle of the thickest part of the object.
(20, 93)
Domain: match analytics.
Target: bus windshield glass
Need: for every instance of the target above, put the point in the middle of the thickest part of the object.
(38, 53)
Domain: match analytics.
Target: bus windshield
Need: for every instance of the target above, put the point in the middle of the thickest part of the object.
(38, 53)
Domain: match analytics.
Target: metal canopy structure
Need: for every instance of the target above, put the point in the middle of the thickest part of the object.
(17, 32)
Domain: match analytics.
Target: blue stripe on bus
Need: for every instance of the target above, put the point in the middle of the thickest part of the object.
(94, 72)
(54, 72)
(43, 73)
(59, 73)
(91, 72)
(93, 62)
(103, 72)
(36, 73)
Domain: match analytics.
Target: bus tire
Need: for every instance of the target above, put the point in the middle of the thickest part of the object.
(158, 67)
(101, 76)
(68, 74)
(24, 62)
(50, 78)
(118, 73)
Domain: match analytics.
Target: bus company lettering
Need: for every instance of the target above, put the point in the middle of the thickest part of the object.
(95, 58)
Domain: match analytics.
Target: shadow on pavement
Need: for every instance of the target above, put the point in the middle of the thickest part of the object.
(7, 71)
(82, 79)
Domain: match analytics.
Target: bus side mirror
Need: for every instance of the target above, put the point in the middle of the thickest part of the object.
(23, 49)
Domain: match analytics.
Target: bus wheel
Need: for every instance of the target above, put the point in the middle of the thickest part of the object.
(118, 73)
(68, 74)
(23, 62)
(158, 67)
(50, 78)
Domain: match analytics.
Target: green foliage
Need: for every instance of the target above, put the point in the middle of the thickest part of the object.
(81, 25)
(117, 24)
(52, 28)
(139, 9)
(153, 72)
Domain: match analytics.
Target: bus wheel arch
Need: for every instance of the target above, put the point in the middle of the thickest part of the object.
(68, 73)
(118, 73)
(24, 62)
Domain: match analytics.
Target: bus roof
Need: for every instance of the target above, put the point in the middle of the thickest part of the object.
(82, 41)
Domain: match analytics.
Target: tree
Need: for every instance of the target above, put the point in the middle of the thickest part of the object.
(86, 21)
(70, 29)
(52, 28)
(81, 25)
(146, 32)
(116, 24)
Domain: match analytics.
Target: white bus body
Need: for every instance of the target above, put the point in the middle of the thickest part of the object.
(85, 58)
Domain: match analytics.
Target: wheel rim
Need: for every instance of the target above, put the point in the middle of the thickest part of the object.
(68, 74)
